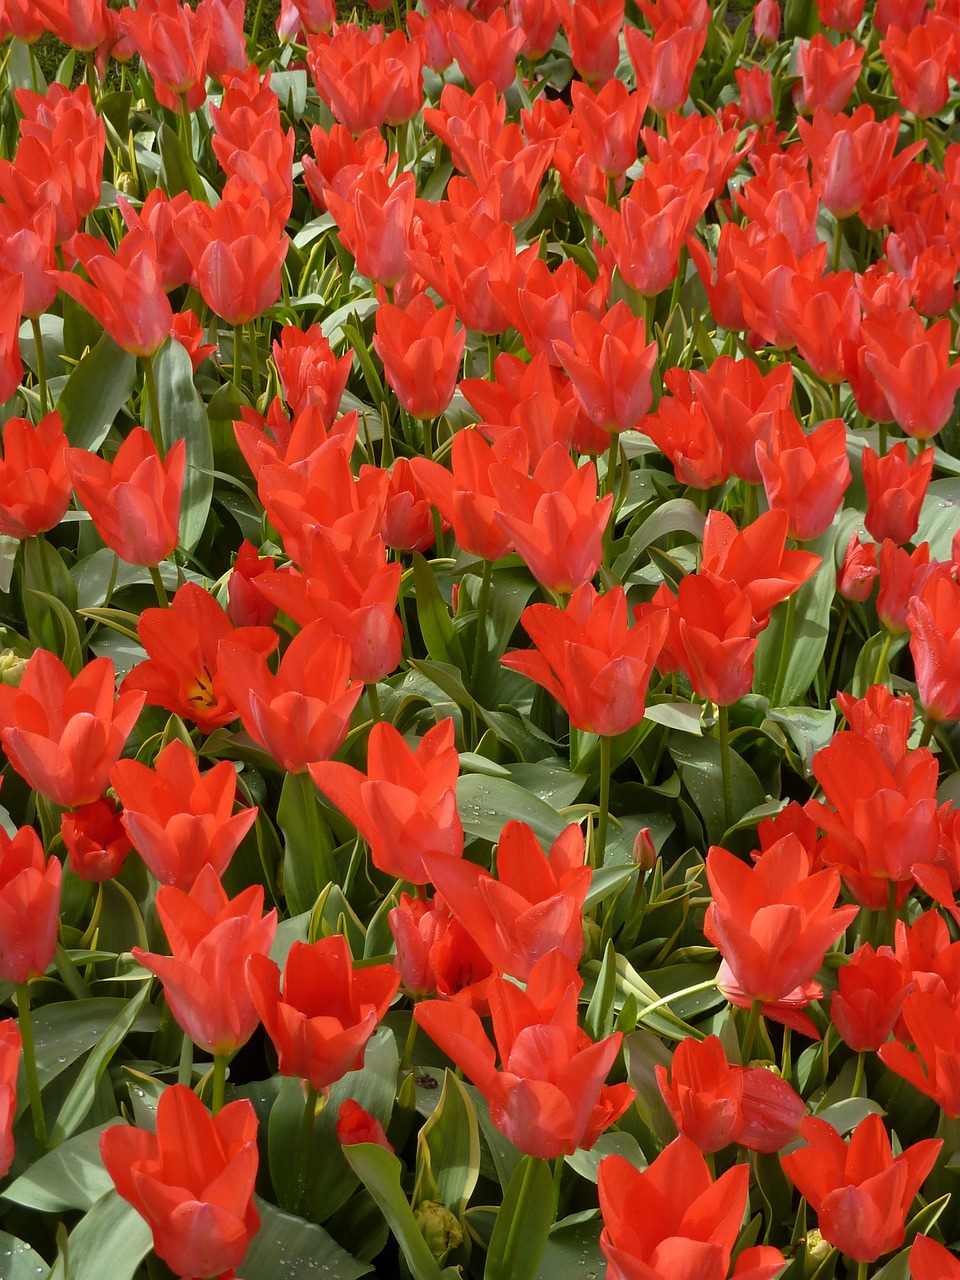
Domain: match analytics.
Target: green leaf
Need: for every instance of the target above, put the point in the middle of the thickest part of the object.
(698, 762)
(939, 517)
(683, 716)
(70, 1177)
(678, 515)
(809, 728)
(613, 1142)
(847, 1114)
(80, 1098)
(573, 1251)
(183, 417)
(439, 634)
(179, 170)
(523, 1224)
(379, 1171)
(599, 1018)
(111, 1240)
(810, 632)
(487, 804)
(450, 1140)
(95, 392)
(308, 863)
(19, 1260)
(288, 1246)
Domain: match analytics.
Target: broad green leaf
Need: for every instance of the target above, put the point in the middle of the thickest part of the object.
(805, 647)
(308, 863)
(62, 1032)
(939, 517)
(451, 1138)
(613, 1142)
(847, 1114)
(573, 1251)
(70, 1177)
(487, 804)
(80, 1098)
(183, 417)
(523, 1224)
(297, 1250)
(809, 728)
(379, 1171)
(436, 625)
(678, 515)
(599, 1018)
(698, 761)
(111, 1240)
(549, 780)
(95, 392)
(898, 1268)
(19, 1261)
(684, 716)
(179, 170)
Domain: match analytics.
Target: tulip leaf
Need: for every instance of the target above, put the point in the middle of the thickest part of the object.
(599, 1018)
(379, 1171)
(111, 1240)
(487, 804)
(806, 645)
(95, 392)
(573, 1249)
(80, 1098)
(613, 1142)
(179, 169)
(70, 1177)
(308, 863)
(183, 417)
(451, 1140)
(809, 728)
(678, 515)
(289, 1246)
(939, 516)
(20, 1262)
(898, 1268)
(439, 633)
(523, 1224)
(698, 762)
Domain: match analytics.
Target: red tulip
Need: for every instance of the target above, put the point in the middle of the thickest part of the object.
(671, 1221)
(96, 840)
(805, 474)
(931, 1261)
(10, 1053)
(29, 906)
(356, 1125)
(485, 51)
(211, 939)
(920, 65)
(328, 1011)
(610, 365)
(179, 819)
(905, 355)
(421, 354)
(772, 924)
(34, 485)
(192, 1181)
(127, 296)
(858, 570)
(872, 987)
(548, 1097)
(406, 804)
(902, 576)
(82, 24)
(932, 1026)
(367, 80)
(27, 248)
(134, 501)
(589, 659)
(592, 28)
(11, 314)
(757, 560)
(64, 734)
(828, 73)
(860, 1193)
(933, 616)
(436, 955)
(309, 371)
(895, 489)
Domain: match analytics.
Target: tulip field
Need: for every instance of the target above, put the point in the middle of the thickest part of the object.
(479, 640)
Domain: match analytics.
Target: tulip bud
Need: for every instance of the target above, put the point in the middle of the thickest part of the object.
(644, 851)
(11, 668)
(591, 939)
(127, 184)
(439, 1227)
(816, 1250)
(766, 22)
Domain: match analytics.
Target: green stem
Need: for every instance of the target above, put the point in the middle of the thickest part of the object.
(153, 400)
(254, 362)
(835, 399)
(882, 660)
(835, 652)
(158, 585)
(185, 1069)
(603, 820)
(33, 69)
(723, 727)
(38, 348)
(30, 1067)
(929, 725)
(862, 1270)
(837, 244)
(786, 1057)
(890, 916)
(220, 1061)
(858, 1078)
(408, 1044)
(186, 127)
(787, 645)
(613, 457)
(306, 1145)
(237, 354)
(255, 28)
(881, 438)
(373, 697)
(480, 639)
(750, 1034)
(492, 353)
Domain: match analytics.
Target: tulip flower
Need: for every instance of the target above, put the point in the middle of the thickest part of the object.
(211, 939)
(34, 485)
(828, 73)
(127, 296)
(772, 924)
(920, 66)
(356, 1125)
(158, 216)
(872, 987)
(895, 489)
(902, 577)
(671, 1221)
(178, 819)
(933, 616)
(534, 905)
(589, 659)
(406, 804)
(548, 1098)
(714, 1103)
(134, 501)
(592, 28)
(609, 122)
(192, 1181)
(309, 371)
(436, 955)
(327, 1012)
(805, 474)
(10, 1053)
(485, 50)
(64, 734)
(905, 355)
(27, 248)
(11, 314)
(421, 354)
(932, 1027)
(181, 671)
(756, 559)
(173, 42)
(301, 714)
(96, 840)
(884, 720)
(29, 906)
(860, 1192)
(710, 637)
(610, 365)
(931, 1261)
(82, 24)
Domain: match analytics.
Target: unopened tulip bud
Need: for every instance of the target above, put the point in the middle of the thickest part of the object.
(591, 939)
(815, 1253)
(127, 184)
(644, 850)
(11, 668)
(766, 22)
(439, 1227)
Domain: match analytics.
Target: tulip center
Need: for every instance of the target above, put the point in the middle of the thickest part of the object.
(200, 692)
